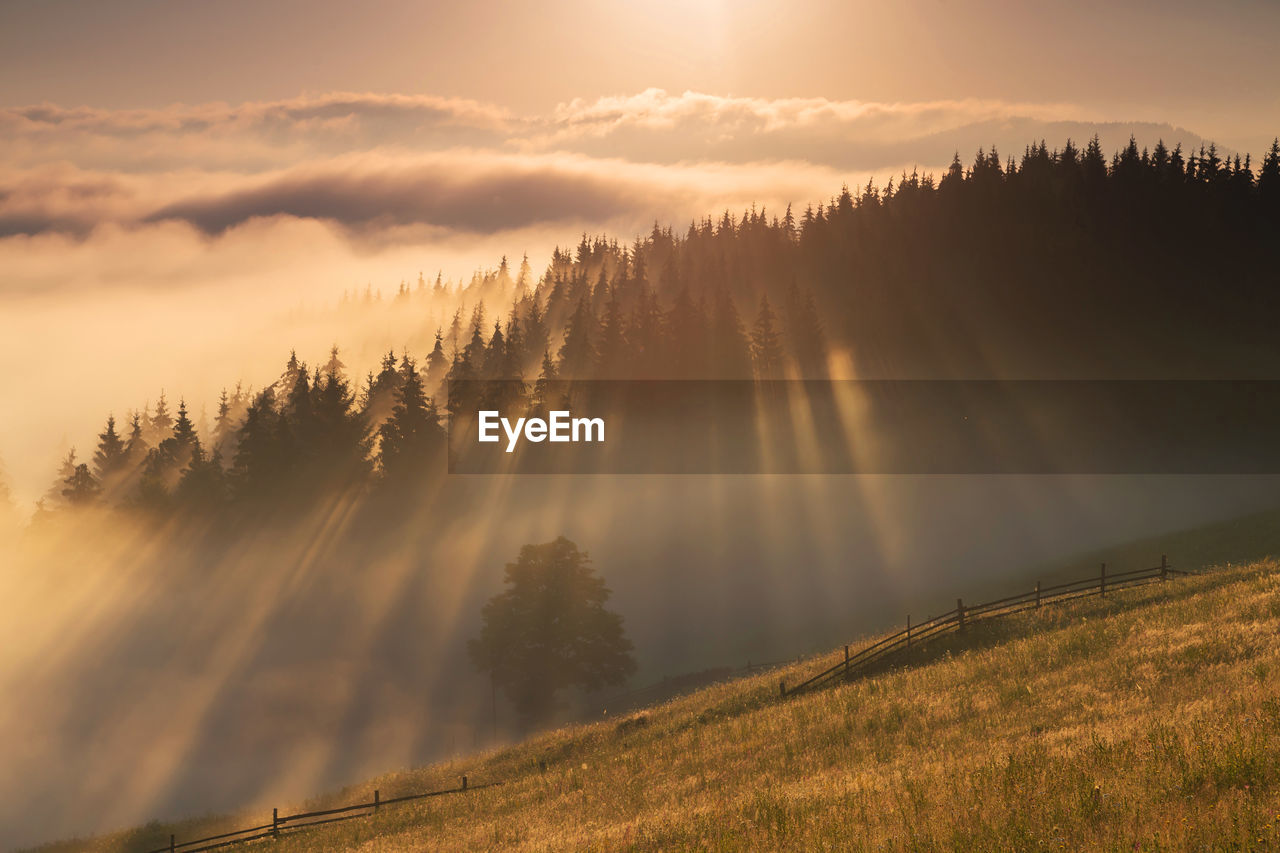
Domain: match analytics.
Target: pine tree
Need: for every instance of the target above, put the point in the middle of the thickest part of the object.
(110, 457)
(412, 438)
(577, 356)
(613, 343)
(1269, 175)
(437, 363)
(524, 277)
(537, 335)
(542, 386)
(514, 352)
(1093, 163)
(203, 487)
(161, 422)
(136, 447)
(222, 426)
(766, 343)
(463, 393)
(66, 471)
(184, 431)
(80, 488)
(339, 433)
(380, 393)
(255, 471)
(474, 352)
(495, 357)
(455, 332)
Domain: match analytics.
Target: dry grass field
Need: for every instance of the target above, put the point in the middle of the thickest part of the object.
(1148, 720)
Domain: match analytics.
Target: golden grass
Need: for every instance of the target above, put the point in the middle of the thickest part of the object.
(1149, 720)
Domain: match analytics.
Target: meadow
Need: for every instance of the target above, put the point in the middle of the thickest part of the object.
(1146, 720)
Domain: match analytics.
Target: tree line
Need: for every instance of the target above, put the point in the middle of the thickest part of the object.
(1154, 262)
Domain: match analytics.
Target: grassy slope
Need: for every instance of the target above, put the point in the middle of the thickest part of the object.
(1148, 721)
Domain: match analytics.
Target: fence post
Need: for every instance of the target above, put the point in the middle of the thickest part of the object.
(1102, 579)
(275, 823)
(960, 614)
(375, 800)
(464, 782)
(846, 658)
(172, 846)
(1164, 567)
(908, 630)
(782, 686)
(1037, 593)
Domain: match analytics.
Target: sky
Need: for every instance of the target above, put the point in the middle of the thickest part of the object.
(175, 177)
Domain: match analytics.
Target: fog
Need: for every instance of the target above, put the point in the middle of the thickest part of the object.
(155, 673)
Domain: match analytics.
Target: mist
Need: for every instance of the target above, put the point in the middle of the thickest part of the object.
(155, 671)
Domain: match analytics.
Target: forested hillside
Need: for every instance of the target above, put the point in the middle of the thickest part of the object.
(1059, 263)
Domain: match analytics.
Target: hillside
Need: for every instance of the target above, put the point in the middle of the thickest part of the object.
(1143, 721)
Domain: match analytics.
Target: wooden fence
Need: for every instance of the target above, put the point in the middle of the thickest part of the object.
(956, 620)
(850, 666)
(672, 686)
(287, 824)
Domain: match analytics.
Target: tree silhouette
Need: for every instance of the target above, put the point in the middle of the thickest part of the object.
(80, 488)
(549, 630)
(577, 358)
(412, 438)
(161, 422)
(66, 471)
(766, 343)
(110, 459)
(437, 364)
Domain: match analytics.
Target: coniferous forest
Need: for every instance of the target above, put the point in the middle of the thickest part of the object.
(1062, 263)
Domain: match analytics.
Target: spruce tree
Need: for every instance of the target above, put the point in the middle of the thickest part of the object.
(613, 352)
(766, 343)
(542, 386)
(161, 421)
(110, 456)
(437, 363)
(66, 471)
(412, 438)
(1269, 175)
(577, 356)
(80, 488)
(184, 431)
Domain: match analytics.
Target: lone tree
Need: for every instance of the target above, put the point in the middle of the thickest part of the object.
(550, 630)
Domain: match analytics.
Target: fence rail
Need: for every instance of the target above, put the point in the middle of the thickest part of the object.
(290, 823)
(956, 620)
(851, 665)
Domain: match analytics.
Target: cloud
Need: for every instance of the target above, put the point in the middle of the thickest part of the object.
(856, 135)
(248, 137)
(457, 191)
(653, 126)
(375, 165)
(335, 112)
(370, 195)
